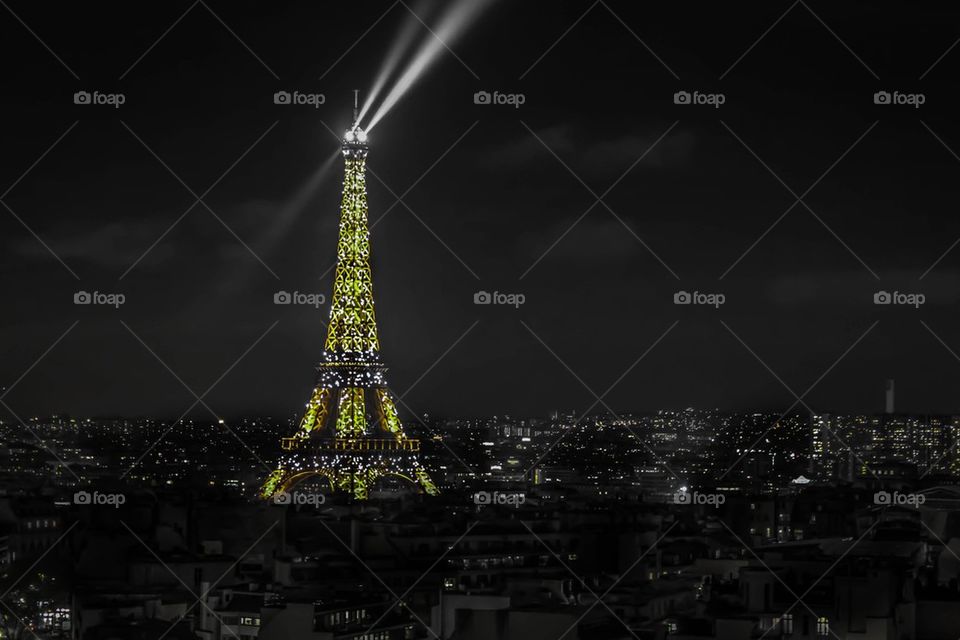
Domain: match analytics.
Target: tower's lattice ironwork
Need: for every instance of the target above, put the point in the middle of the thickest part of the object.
(350, 433)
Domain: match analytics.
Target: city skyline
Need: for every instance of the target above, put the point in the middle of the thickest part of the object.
(666, 297)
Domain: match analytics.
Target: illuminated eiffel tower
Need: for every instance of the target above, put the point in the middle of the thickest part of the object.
(350, 433)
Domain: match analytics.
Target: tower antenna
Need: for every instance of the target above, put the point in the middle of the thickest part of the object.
(356, 100)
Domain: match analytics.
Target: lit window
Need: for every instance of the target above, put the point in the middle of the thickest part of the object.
(823, 627)
(786, 623)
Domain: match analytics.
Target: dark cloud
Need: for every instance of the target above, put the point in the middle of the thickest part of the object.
(595, 156)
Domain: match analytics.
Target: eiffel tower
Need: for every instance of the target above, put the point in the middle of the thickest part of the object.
(350, 433)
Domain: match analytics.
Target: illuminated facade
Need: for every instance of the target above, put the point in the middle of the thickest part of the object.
(858, 446)
(350, 433)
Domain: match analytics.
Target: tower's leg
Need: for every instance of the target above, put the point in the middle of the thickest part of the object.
(389, 419)
(272, 483)
(316, 414)
(351, 413)
(424, 479)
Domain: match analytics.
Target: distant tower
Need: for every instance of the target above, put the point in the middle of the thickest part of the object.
(350, 433)
(888, 409)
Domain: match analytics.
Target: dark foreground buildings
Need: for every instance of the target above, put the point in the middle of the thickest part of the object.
(737, 541)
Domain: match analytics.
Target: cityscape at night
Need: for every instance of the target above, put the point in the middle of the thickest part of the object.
(479, 319)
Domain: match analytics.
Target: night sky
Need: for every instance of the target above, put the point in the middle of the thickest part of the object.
(799, 108)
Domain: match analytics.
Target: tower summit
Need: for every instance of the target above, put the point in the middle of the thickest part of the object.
(350, 433)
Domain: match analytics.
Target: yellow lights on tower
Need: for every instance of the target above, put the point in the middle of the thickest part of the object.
(353, 323)
(344, 452)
